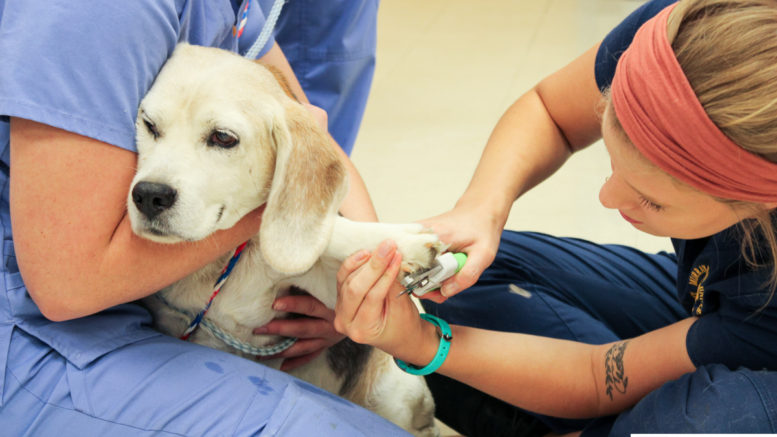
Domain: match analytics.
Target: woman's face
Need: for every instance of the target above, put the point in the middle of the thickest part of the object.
(654, 202)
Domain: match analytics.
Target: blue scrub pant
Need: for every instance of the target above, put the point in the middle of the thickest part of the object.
(163, 386)
(595, 294)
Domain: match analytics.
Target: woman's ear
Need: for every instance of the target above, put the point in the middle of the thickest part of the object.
(308, 186)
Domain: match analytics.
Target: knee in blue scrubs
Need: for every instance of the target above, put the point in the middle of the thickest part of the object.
(577, 290)
(713, 397)
(163, 386)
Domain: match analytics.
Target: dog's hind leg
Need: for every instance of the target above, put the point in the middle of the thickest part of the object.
(402, 398)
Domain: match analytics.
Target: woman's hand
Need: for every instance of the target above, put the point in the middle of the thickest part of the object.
(315, 331)
(468, 230)
(369, 309)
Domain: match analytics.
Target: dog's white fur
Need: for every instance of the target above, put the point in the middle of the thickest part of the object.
(282, 159)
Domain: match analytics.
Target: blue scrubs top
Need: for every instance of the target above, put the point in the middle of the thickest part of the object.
(737, 323)
(331, 48)
(84, 68)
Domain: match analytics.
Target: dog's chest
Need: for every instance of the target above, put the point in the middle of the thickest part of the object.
(244, 297)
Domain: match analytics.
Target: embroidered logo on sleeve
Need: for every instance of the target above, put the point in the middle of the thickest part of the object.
(697, 278)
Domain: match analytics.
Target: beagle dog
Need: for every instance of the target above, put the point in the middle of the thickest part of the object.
(218, 136)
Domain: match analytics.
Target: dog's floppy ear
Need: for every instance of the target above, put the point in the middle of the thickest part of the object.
(308, 186)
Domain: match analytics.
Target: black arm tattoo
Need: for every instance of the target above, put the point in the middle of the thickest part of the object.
(615, 378)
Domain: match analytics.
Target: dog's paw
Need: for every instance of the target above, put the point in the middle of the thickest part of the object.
(418, 246)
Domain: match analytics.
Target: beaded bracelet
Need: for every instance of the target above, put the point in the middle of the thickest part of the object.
(442, 351)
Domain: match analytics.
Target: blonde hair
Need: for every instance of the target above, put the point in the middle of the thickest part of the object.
(728, 51)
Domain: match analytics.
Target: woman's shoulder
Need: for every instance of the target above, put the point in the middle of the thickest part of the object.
(619, 39)
(733, 300)
(85, 69)
(715, 269)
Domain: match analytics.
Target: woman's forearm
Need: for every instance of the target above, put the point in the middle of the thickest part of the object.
(73, 242)
(536, 135)
(525, 147)
(543, 375)
(560, 378)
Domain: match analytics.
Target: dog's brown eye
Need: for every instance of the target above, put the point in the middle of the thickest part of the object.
(222, 139)
(151, 128)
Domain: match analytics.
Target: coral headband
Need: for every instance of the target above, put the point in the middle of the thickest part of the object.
(662, 116)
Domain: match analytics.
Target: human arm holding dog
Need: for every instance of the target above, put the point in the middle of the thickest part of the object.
(74, 243)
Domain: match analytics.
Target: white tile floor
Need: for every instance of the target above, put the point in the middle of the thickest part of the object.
(446, 71)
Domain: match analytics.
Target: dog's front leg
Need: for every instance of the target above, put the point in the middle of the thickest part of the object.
(417, 244)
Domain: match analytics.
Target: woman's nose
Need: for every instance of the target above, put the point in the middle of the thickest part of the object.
(615, 194)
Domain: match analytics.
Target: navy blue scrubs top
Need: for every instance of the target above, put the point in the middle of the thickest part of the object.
(737, 323)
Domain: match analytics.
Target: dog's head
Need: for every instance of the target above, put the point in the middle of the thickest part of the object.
(217, 137)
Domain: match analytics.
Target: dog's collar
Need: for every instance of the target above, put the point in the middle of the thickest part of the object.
(232, 341)
(259, 351)
(199, 319)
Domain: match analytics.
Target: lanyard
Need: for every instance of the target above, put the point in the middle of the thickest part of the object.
(264, 35)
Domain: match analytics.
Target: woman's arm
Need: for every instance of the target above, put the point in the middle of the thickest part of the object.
(73, 241)
(536, 135)
(530, 142)
(564, 378)
(548, 376)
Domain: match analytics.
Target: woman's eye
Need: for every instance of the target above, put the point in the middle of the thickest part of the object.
(650, 204)
(151, 128)
(222, 139)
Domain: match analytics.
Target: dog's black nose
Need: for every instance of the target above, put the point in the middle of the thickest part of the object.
(152, 198)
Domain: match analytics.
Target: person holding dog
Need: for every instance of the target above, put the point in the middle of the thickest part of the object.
(564, 335)
(77, 356)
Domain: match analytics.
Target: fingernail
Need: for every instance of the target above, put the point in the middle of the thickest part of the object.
(278, 306)
(384, 248)
(396, 259)
(449, 290)
(361, 255)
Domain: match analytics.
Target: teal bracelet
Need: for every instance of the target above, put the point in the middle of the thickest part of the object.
(442, 351)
